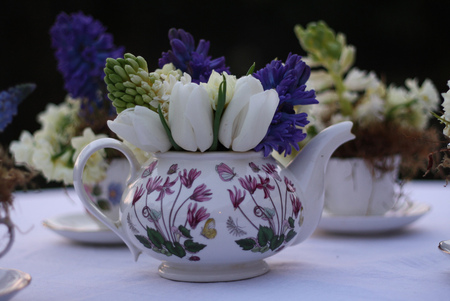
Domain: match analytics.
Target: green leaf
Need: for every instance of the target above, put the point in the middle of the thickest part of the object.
(221, 98)
(265, 234)
(185, 232)
(144, 240)
(291, 222)
(193, 247)
(175, 248)
(167, 129)
(246, 244)
(155, 237)
(103, 204)
(251, 69)
(276, 241)
(291, 234)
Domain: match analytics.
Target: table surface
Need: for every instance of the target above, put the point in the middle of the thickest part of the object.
(402, 265)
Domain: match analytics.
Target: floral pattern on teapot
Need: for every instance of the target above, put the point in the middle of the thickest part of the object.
(164, 232)
(277, 225)
(169, 230)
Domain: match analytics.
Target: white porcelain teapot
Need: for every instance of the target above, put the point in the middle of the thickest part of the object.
(215, 216)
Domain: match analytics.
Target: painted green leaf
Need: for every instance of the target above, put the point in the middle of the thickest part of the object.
(246, 244)
(291, 234)
(185, 232)
(175, 248)
(155, 237)
(265, 234)
(144, 240)
(291, 222)
(276, 241)
(193, 247)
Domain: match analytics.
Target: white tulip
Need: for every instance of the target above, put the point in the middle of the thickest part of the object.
(141, 127)
(248, 116)
(191, 117)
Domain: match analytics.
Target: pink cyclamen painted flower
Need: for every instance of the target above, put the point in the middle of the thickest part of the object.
(248, 183)
(264, 184)
(165, 189)
(236, 197)
(201, 194)
(187, 179)
(289, 185)
(271, 169)
(296, 205)
(137, 194)
(195, 216)
(149, 170)
(153, 184)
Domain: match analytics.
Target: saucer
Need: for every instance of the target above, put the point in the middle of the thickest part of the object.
(80, 227)
(11, 282)
(394, 219)
(444, 246)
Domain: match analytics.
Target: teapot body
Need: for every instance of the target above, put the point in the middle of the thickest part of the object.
(212, 208)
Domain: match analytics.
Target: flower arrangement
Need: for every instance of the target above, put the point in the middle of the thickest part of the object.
(388, 120)
(11, 176)
(81, 46)
(193, 103)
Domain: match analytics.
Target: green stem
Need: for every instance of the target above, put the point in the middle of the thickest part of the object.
(167, 129)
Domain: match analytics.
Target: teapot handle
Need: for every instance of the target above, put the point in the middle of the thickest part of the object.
(115, 226)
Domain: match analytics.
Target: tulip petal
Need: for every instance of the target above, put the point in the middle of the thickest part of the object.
(256, 121)
(182, 132)
(199, 113)
(230, 123)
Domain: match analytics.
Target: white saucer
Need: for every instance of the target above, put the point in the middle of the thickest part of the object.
(444, 246)
(11, 282)
(80, 227)
(393, 220)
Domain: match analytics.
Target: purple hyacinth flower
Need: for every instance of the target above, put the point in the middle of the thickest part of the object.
(190, 59)
(10, 100)
(289, 80)
(81, 48)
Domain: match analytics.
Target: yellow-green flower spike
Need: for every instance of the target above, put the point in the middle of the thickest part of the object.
(129, 82)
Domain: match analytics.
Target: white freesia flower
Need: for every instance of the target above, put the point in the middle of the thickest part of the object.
(370, 110)
(212, 87)
(248, 115)
(191, 117)
(446, 108)
(23, 149)
(320, 80)
(141, 127)
(427, 95)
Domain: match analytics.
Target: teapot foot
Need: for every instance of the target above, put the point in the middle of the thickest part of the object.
(212, 272)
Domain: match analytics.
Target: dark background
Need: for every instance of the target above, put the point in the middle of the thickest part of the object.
(396, 39)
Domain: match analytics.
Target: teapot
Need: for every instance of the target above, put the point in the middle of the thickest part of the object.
(216, 216)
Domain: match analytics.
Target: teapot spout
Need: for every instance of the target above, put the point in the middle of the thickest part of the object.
(310, 165)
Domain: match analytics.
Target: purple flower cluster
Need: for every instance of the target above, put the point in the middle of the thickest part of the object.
(187, 58)
(81, 48)
(288, 79)
(10, 100)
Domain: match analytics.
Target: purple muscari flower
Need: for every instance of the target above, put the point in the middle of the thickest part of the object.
(248, 183)
(187, 58)
(265, 186)
(187, 179)
(115, 191)
(289, 80)
(81, 48)
(195, 216)
(236, 197)
(10, 100)
(201, 194)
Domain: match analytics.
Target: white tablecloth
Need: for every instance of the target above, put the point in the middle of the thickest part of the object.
(405, 265)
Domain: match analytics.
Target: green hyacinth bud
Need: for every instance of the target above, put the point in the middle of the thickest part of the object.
(128, 82)
(322, 44)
